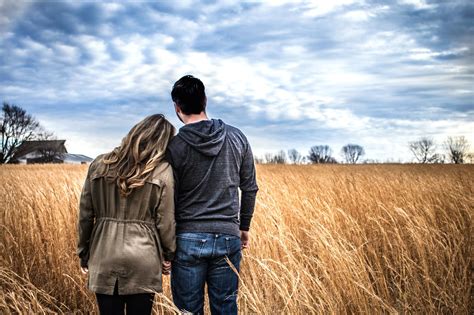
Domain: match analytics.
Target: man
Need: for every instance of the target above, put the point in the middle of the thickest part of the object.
(211, 160)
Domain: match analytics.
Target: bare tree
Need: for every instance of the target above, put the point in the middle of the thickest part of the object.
(438, 158)
(424, 150)
(281, 157)
(16, 126)
(259, 160)
(276, 158)
(457, 148)
(294, 156)
(268, 157)
(52, 153)
(321, 154)
(470, 158)
(352, 152)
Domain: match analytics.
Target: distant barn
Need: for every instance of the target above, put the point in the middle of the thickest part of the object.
(47, 151)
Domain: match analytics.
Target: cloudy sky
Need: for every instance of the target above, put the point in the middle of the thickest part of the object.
(290, 74)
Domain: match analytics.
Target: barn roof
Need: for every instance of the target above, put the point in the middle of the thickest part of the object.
(31, 146)
(77, 157)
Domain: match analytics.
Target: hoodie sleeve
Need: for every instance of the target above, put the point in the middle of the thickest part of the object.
(249, 188)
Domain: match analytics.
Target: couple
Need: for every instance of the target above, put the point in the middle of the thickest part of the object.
(164, 204)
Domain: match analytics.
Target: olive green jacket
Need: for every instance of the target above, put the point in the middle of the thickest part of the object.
(126, 238)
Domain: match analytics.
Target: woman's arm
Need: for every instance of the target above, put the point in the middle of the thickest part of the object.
(166, 224)
(85, 221)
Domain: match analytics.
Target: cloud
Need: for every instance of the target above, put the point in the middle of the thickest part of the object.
(418, 4)
(11, 12)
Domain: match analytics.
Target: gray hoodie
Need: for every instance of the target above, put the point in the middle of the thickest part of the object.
(211, 160)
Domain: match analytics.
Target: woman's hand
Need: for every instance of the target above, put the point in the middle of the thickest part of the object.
(166, 267)
(84, 270)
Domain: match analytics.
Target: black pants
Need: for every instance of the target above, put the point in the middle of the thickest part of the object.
(136, 304)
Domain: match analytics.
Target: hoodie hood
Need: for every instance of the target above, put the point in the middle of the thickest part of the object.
(205, 136)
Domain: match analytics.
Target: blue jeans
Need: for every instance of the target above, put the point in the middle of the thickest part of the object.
(201, 258)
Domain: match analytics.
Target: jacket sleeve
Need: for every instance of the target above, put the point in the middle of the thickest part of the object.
(169, 158)
(248, 187)
(86, 222)
(166, 221)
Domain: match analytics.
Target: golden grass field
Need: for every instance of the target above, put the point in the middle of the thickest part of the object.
(325, 239)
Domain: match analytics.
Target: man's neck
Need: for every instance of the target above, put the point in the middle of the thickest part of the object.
(193, 118)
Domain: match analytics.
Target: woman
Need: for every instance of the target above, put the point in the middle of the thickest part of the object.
(126, 220)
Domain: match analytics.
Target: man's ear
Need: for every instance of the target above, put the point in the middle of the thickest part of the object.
(176, 107)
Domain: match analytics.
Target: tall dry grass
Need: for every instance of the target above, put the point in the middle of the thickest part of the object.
(325, 239)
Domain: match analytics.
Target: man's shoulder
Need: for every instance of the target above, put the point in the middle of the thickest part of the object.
(236, 134)
(175, 144)
(175, 141)
(235, 131)
(175, 150)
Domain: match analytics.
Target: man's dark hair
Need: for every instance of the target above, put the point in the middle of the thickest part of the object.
(188, 92)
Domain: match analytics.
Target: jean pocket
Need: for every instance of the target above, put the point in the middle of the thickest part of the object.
(233, 245)
(189, 250)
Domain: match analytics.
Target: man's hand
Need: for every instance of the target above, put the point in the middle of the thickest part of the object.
(166, 267)
(245, 239)
(84, 270)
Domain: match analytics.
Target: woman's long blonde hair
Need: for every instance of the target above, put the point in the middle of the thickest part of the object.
(141, 150)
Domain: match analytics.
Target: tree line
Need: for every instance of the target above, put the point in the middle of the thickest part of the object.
(318, 154)
(425, 150)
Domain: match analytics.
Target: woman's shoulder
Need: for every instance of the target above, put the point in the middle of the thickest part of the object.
(97, 165)
(162, 174)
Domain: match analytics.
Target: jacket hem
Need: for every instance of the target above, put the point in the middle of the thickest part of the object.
(109, 290)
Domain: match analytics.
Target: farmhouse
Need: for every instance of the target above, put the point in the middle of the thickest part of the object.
(47, 151)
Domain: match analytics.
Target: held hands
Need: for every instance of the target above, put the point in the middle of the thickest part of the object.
(166, 267)
(245, 239)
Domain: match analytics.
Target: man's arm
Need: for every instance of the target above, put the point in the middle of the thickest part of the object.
(248, 187)
(86, 222)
